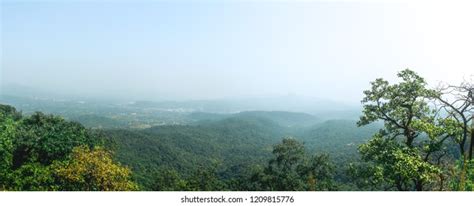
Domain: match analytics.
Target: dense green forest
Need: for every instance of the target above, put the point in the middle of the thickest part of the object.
(45, 152)
(408, 137)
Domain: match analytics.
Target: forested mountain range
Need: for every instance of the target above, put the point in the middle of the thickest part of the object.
(399, 142)
(229, 144)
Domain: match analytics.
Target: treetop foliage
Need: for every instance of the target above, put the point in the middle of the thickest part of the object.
(411, 151)
(46, 152)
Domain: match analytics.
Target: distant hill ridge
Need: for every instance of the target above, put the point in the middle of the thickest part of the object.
(282, 118)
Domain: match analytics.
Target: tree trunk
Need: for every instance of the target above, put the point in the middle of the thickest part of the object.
(461, 150)
(419, 185)
(472, 139)
(399, 185)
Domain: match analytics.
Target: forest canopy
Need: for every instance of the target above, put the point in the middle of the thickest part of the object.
(409, 137)
(46, 152)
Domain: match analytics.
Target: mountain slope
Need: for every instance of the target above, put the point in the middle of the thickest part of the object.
(229, 143)
(339, 138)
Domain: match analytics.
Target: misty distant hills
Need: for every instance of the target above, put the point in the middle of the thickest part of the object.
(96, 121)
(290, 103)
(282, 118)
(145, 114)
(16, 94)
(289, 119)
(286, 111)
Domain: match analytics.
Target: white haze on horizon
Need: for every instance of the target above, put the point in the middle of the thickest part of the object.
(188, 50)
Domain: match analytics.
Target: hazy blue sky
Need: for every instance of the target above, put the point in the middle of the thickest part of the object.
(189, 50)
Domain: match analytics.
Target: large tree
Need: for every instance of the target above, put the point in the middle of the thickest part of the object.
(92, 170)
(402, 155)
(293, 169)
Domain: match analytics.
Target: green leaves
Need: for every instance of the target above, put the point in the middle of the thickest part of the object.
(169, 180)
(394, 157)
(46, 152)
(32, 177)
(47, 138)
(7, 111)
(8, 131)
(396, 104)
(463, 173)
(288, 155)
(292, 169)
(396, 164)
